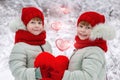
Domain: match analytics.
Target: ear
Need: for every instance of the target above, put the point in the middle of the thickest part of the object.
(104, 31)
(16, 24)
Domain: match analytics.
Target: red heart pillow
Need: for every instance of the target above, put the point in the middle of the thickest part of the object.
(46, 60)
(60, 63)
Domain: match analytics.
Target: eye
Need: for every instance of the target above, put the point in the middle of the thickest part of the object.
(32, 22)
(88, 27)
(81, 26)
(39, 22)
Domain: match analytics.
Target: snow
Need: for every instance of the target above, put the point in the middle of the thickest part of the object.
(10, 9)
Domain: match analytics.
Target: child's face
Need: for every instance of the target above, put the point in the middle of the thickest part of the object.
(83, 31)
(35, 26)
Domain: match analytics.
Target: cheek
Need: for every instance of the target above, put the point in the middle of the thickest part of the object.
(28, 27)
(42, 27)
(78, 30)
(89, 32)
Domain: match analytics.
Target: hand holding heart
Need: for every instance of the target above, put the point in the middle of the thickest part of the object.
(50, 66)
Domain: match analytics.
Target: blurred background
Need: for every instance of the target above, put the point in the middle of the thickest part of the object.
(60, 24)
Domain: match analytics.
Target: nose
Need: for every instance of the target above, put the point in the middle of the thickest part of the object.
(36, 25)
(83, 29)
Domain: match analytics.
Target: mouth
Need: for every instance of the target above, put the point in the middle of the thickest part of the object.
(36, 30)
(82, 35)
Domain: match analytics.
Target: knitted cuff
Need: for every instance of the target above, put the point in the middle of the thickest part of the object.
(37, 73)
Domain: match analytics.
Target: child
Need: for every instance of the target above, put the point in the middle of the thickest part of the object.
(28, 44)
(88, 60)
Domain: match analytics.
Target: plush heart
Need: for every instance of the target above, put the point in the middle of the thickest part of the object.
(62, 44)
(44, 58)
(46, 61)
(60, 63)
(56, 26)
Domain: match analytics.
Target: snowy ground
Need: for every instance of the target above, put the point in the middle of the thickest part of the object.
(64, 13)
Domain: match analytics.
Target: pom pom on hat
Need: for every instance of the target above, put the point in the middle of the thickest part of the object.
(16, 24)
(31, 12)
(27, 14)
(91, 17)
(104, 31)
(100, 28)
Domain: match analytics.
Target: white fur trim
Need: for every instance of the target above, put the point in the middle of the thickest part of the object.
(16, 24)
(104, 31)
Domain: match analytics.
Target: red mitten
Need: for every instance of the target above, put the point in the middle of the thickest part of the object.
(44, 61)
(45, 71)
(55, 75)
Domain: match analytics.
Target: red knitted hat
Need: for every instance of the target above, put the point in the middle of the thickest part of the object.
(31, 12)
(91, 17)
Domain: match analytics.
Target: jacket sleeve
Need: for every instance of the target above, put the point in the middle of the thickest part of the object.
(91, 66)
(17, 64)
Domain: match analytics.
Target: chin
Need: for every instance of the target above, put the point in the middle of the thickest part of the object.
(36, 33)
(83, 38)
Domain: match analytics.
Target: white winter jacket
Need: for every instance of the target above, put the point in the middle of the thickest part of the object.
(22, 60)
(86, 64)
